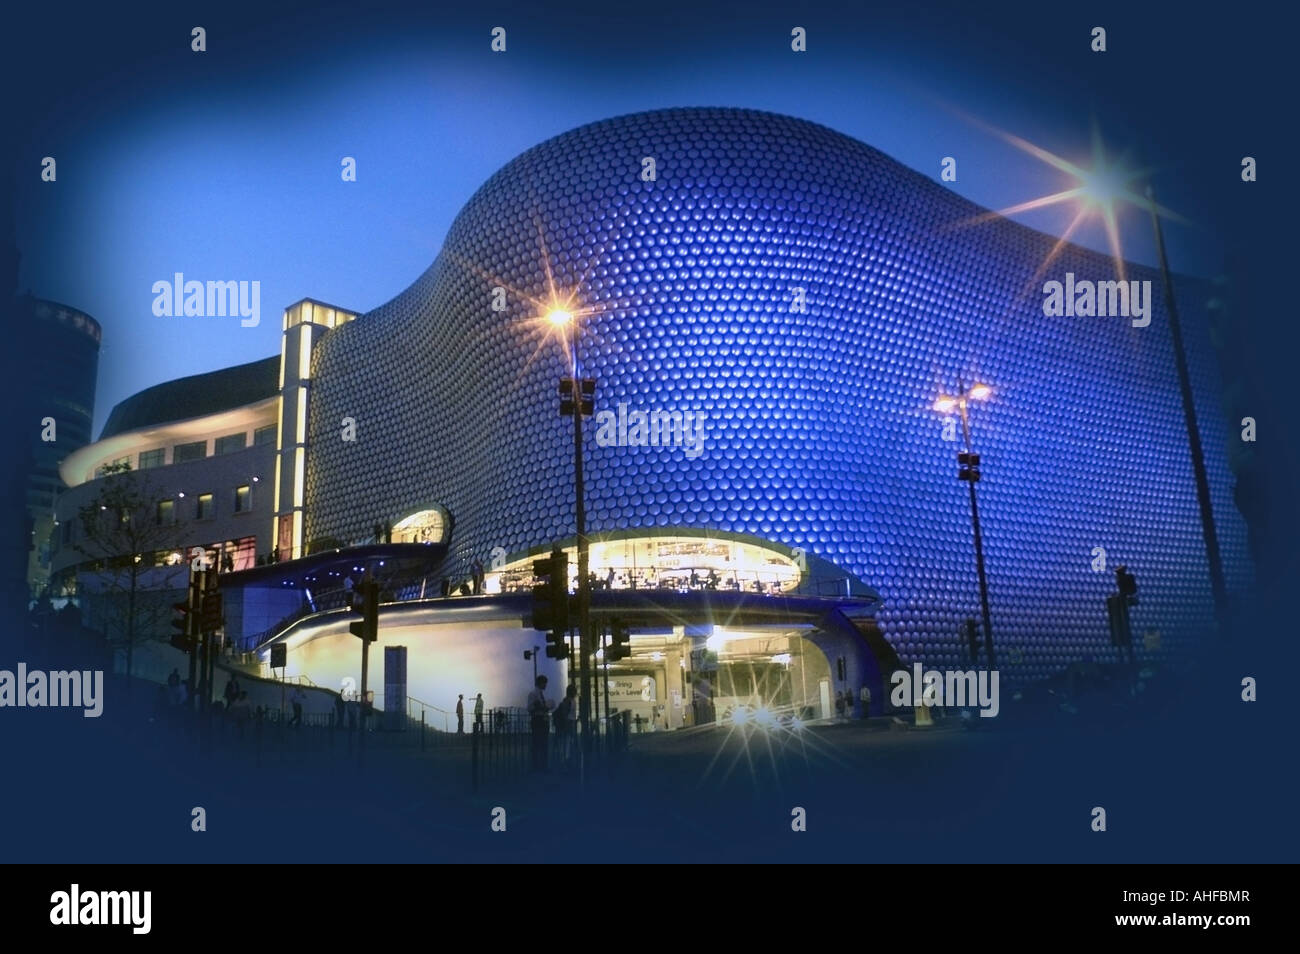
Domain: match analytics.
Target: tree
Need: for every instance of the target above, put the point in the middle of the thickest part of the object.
(121, 538)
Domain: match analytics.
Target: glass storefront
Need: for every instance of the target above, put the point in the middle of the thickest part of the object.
(682, 563)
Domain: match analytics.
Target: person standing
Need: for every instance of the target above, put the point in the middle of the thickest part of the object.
(566, 725)
(478, 713)
(864, 696)
(460, 714)
(539, 721)
(296, 699)
(839, 705)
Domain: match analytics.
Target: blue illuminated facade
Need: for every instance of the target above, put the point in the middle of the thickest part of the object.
(811, 297)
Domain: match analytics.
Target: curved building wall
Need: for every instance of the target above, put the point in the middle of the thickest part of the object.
(819, 430)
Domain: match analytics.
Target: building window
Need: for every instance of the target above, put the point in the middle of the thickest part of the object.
(243, 499)
(207, 507)
(264, 435)
(231, 443)
(195, 451)
(152, 458)
(166, 513)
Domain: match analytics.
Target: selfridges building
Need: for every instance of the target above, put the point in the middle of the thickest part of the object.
(802, 300)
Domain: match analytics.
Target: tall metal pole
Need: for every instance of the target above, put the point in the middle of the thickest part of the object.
(1212, 556)
(979, 545)
(196, 602)
(580, 520)
(604, 659)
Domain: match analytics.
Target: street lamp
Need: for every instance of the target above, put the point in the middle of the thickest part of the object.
(968, 471)
(1100, 188)
(1097, 195)
(561, 318)
(1213, 557)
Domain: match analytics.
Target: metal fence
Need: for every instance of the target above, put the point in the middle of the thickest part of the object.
(505, 745)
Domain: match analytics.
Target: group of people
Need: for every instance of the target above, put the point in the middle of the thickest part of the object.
(844, 702)
(460, 713)
(541, 718)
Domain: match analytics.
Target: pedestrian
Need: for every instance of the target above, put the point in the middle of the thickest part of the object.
(478, 713)
(566, 724)
(839, 705)
(340, 709)
(539, 721)
(460, 714)
(297, 698)
(864, 696)
(231, 692)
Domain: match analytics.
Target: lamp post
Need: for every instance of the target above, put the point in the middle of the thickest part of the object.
(1212, 555)
(1101, 188)
(561, 318)
(968, 471)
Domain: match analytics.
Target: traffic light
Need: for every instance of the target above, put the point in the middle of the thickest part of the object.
(556, 647)
(619, 642)
(551, 592)
(182, 639)
(968, 466)
(551, 602)
(211, 620)
(1127, 583)
(588, 388)
(839, 667)
(367, 628)
(185, 620)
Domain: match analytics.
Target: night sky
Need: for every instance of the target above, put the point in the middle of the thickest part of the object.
(225, 165)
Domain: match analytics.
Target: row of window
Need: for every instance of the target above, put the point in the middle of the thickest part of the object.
(166, 511)
(205, 506)
(198, 450)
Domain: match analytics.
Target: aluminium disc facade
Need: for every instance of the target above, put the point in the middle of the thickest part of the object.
(811, 297)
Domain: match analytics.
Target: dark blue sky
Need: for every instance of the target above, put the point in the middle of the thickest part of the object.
(225, 165)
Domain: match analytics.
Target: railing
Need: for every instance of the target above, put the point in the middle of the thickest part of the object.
(505, 746)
